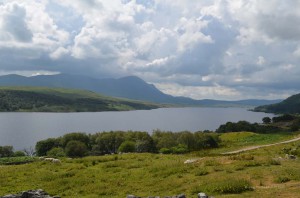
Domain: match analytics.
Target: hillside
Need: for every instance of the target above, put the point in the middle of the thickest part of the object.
(289, 105)
(37, 99)
(255, 173)
(130, 87)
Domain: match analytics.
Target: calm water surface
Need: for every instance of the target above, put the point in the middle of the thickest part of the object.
(23, 130)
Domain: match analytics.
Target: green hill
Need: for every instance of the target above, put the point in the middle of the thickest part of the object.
(38, 99)
(289, 105)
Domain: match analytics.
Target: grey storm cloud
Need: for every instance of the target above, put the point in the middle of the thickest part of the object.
(202, 49)
(15, 25)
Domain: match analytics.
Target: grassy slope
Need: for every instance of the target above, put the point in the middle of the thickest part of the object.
(63, 100)
(155, 174)
(289, 105)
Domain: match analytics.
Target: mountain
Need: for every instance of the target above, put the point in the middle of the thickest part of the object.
(289, 105)
(130, 87)
(42, 99)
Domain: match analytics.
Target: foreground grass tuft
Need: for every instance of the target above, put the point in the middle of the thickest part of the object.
(226, 186)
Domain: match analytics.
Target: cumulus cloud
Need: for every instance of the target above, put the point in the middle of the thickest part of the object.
(202, 49)
(13, 24)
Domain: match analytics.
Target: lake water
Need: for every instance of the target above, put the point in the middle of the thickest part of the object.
(23, 130)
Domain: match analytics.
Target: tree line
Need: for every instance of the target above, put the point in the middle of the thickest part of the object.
(82, 144)
(281, 123)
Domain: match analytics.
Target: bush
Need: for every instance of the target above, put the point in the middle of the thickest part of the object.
(229, 186)
(201, 172)
(75, 149)
(19, 154)
(127, 147)
(165, 151)
(56, 152)
(179, 149)
(282, 179)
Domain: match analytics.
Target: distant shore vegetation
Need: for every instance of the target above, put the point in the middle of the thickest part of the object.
(42, 99)
(79, 144)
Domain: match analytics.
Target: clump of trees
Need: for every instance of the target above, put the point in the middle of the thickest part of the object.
(290, 123)
(81, 144)
(8, 151)
(247, 126)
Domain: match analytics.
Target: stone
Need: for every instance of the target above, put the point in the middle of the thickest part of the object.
(202, 195)
(132, 196)
(30, 194)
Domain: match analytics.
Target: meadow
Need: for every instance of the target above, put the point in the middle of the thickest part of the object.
(263, 172)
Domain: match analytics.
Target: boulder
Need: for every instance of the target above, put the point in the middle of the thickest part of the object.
(202, 195)
(30, 194)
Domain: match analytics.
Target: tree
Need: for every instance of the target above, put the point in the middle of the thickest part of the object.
(206, 140)
(266, 120)
(81, 137)
(187, 138)
(6, 151)
(164, 139)
(108, 142)
(43, 146)
(29, 151)
(75, 148)
(127, 147)
(143, 141)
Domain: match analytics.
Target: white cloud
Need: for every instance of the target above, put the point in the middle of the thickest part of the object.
(220, 48)
(261, 60)
(59, 52)
(199, 92)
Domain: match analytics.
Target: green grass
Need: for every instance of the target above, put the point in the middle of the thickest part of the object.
(259, 173)
(15, 160)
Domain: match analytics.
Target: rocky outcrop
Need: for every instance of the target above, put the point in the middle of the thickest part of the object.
(31, 194)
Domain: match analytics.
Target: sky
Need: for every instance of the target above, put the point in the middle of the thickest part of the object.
(203, 49)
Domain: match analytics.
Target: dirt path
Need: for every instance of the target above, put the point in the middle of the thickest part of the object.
(260, 146)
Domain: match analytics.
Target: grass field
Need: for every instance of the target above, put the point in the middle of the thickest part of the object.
(259, 173)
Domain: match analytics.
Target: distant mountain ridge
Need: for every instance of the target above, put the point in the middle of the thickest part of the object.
(289, 105)
(130, 87)
(44, 99)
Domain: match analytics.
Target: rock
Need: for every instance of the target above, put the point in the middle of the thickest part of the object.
(190, 161)
(132, 196)
(287, 156)
(202, 195)
(31, 194)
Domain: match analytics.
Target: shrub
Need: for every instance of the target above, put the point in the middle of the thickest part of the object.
(165, 151)
(201, 172)
(179, 149)
(56, 152)
(75, 149)
(282, 179)
(19, 154)
(274, 162)
(230, 186)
